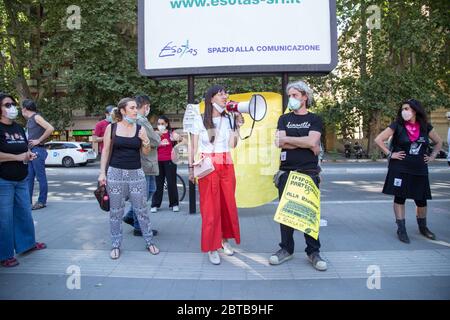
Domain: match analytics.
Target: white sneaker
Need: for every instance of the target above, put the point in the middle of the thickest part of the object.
(227, 248)
(154, 210)
(214, 257)
(175, 209)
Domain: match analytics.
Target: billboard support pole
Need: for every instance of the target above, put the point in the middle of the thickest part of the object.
(191, 97)
(284, 83)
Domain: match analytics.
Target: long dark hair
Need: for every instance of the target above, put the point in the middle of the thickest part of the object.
(166, 120)
(207, 118)
(421, 115)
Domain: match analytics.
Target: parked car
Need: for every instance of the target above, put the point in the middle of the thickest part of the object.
(69, 153)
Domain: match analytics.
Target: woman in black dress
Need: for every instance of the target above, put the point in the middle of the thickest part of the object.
(407, 176)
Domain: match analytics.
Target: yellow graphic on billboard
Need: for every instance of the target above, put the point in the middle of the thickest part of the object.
(256, 159)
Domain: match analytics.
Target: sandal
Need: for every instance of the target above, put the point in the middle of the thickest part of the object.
(115, 253)
(37, 246)
(153, 249)
(8, 263)
(37, 206)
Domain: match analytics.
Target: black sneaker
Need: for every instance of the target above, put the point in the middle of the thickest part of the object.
(129, 220)
(138, 233)
(280, 256)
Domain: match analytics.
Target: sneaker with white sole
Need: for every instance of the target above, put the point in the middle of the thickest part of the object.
(214, 257)
(153, 209)
(175, 209)
(317, 261)
(227, 248)
(280, 256)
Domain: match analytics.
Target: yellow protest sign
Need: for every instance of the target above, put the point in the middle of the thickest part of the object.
(299, 206)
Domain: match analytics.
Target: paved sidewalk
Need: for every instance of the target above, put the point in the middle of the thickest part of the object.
(356, 237)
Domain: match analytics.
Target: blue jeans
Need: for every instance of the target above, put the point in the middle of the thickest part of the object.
(36, 168)
(16, 222)
(151, 185)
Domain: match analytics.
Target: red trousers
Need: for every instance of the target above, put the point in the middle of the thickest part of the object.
(218, 204)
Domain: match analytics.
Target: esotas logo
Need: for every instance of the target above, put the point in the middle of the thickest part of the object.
(171, 49)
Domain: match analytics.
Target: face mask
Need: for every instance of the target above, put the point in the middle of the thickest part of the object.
(294, 104)
(12, 112)
(147, 112)
(218, 108)
(109, 118)
(161, 127)
(407, 115)
(129, 120)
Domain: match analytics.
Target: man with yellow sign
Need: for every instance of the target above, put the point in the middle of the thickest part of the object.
(298, 136)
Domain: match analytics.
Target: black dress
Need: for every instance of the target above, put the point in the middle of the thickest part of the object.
(408, 178)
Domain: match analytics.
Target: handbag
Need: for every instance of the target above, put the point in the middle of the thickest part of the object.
(205, 166)
(102, 197)
(101, 193)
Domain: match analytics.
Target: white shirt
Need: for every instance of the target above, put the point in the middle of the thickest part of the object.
(221, 140)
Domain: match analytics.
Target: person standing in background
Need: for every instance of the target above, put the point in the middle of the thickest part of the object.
(38, 130)
(100, 129)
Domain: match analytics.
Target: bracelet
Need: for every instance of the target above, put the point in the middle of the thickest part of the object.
(389, 155)
(146, 144)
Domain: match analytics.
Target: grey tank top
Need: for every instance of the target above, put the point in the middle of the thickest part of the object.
(35, 131)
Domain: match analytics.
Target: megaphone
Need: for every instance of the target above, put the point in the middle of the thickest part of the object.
(256, 107)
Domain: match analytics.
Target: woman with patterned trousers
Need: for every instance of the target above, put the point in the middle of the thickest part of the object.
(125, 178)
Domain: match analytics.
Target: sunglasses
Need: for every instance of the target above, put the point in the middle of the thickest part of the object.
(9, 105)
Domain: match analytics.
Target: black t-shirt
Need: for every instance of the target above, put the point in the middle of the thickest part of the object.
(13, 141)
(413, 163)
(299, 126)
(126, 151)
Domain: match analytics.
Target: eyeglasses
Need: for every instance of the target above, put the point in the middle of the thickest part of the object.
(9, 105)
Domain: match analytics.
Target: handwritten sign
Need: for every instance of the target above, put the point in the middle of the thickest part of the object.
(299, 205)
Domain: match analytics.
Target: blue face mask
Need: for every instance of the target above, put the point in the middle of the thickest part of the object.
(109, 118)
(129, 120)
(294, 104)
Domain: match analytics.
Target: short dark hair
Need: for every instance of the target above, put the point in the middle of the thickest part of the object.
(29, 105)
(142, 100)
(109, 108)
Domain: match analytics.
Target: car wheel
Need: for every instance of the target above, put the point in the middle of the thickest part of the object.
(68, 162)
(83, 164)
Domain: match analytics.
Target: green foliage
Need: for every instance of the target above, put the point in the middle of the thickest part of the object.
(97, 65)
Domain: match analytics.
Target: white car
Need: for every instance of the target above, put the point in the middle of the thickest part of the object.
(69, 153)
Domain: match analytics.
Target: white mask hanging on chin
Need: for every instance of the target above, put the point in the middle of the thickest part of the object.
(218, 108)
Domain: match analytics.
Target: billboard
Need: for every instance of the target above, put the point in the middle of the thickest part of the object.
(221, 37)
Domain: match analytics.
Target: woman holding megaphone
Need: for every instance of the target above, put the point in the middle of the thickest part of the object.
(213, 135)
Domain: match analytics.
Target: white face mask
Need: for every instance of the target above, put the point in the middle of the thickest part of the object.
(12, 112)
(161, 127)
(147, 112)
(218, 108)
(407, 115)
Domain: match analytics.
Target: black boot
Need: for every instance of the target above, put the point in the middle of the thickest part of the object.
(401, 231)
(422, 222)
